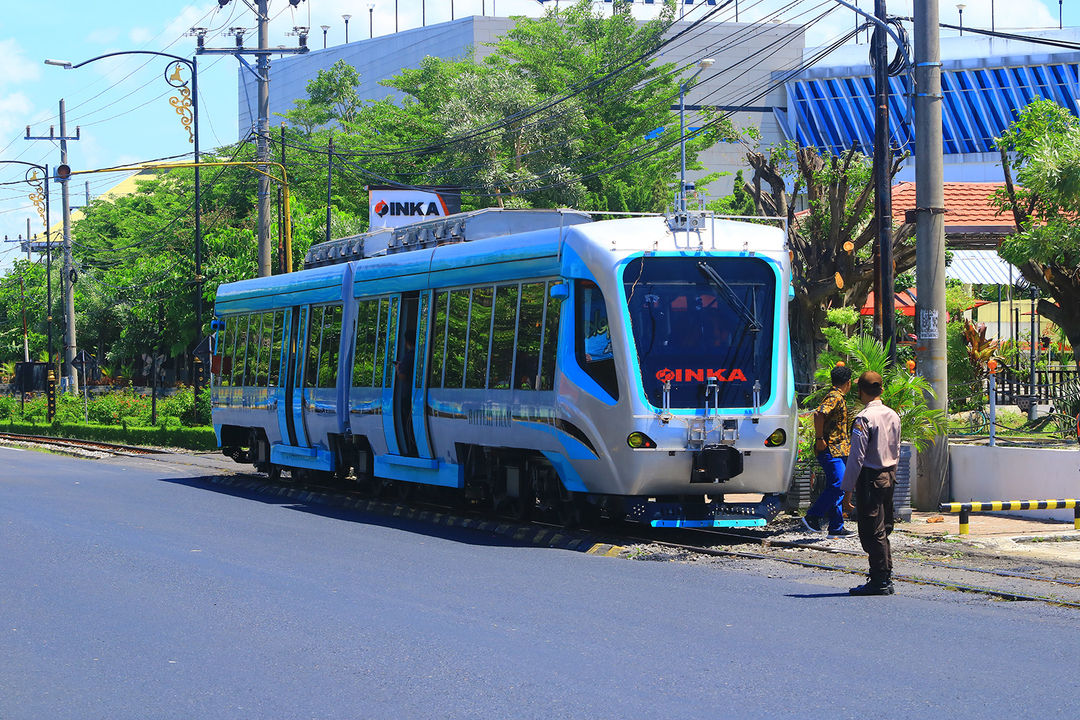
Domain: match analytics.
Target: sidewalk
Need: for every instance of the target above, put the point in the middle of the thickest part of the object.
(1002, 535)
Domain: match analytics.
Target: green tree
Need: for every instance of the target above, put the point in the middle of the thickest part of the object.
(590, 54)
(1040, 158)
(332, 95)
(832, 244)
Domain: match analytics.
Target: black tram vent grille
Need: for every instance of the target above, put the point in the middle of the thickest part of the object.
(462, 227)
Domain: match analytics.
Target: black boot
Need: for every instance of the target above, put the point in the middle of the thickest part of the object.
(879, 586)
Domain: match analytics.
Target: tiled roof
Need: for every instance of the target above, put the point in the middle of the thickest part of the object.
(967, 207)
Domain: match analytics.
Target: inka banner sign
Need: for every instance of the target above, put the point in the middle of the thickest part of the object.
(394, 206)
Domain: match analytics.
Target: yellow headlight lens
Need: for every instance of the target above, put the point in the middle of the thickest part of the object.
(639, 440)
(778, 438)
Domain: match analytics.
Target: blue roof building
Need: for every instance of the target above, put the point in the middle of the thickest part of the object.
(985, 82)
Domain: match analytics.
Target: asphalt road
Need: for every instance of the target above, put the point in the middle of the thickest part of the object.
(134, 589)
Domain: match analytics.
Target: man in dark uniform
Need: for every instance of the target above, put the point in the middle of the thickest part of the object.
(871, 473)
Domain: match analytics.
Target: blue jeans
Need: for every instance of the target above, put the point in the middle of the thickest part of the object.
(829, 504)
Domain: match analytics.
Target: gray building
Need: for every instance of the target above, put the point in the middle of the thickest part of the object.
(743, 80)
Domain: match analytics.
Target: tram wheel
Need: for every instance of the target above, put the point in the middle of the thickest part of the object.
(403, 491)
(569, 514)
(369, 486)
(274, 473)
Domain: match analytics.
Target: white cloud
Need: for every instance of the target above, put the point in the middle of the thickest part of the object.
(15, 67)
(103, 36)
(15, 109)
(140, 35)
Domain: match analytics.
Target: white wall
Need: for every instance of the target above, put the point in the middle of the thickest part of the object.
(982, 473)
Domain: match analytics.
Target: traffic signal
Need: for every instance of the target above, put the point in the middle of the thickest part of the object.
(50, 393)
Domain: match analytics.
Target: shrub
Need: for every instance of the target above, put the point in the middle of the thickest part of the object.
(9, 406)
(191, 438)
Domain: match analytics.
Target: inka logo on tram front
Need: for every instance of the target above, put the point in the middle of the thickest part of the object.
(700, 375)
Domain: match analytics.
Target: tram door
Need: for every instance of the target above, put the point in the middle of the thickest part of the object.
(292, 346)
(409, 405)
(317, 382)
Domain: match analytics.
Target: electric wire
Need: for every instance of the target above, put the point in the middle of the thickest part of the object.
(637, 153)
(666, 101)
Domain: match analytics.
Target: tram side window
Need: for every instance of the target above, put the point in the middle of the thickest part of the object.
(550, 344)
(456, 334)
(311, 355)
(276, 335)
(382, 319)
(593, 337)
(504, 328)
(479, 335)
(367, 318)
(226, 351)
(390, 351)
(240, 357)
(254, 350)
(438, 340)
(530, 327)
(331, 341)
(421, 342)
(261, 358)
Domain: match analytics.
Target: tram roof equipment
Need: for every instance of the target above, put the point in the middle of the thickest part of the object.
(461, 227)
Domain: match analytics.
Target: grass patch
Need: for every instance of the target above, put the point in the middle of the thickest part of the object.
(165, 435)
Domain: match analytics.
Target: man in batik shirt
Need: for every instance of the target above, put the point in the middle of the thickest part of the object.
(832, 444)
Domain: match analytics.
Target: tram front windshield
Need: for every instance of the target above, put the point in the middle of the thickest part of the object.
(696, 318)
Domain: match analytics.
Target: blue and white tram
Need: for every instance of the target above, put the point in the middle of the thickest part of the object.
(636, 366)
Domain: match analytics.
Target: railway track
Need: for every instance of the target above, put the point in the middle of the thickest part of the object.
(1040, 588)
(73, 444)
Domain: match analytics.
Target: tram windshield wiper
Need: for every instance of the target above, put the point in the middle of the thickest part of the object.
(733, 300)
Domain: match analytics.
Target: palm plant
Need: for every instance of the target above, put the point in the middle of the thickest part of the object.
(904, 392)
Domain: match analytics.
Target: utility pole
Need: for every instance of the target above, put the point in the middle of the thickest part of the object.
(262, 75)
(886, 299)
(329, 180)
(262, 146)
(930, 350)
(62, 174)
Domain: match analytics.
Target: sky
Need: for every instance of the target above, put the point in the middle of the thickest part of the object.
(121, 105)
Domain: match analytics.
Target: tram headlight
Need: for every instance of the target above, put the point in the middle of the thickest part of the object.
(639, 440)
(778, 438)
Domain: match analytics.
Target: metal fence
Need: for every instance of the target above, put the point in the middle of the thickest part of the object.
(1014, 386)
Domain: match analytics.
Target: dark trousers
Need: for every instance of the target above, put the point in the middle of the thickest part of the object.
(874, 505)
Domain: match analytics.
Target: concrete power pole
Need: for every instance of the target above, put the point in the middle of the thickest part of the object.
(930, 351)
(262, 126)
(262, 147)
(62, 172)
(69, 288)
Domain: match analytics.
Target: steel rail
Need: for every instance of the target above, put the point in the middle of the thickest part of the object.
(114, 448)
(789, 544)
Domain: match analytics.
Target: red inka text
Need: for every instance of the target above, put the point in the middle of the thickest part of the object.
(699, 375)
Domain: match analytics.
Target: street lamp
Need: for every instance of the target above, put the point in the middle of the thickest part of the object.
(346, 19)
(187, 107)
(960, 7)
(702, 65)
(324, 29)
(371, 20)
